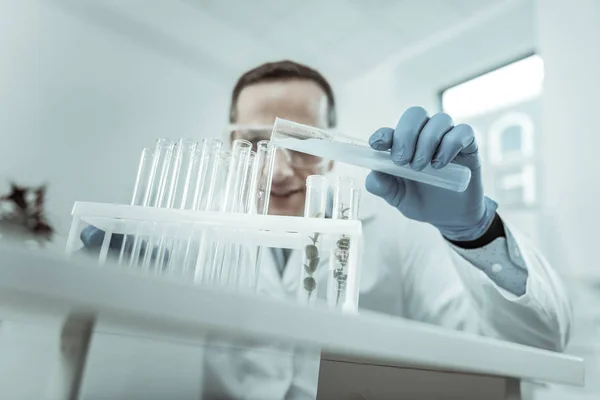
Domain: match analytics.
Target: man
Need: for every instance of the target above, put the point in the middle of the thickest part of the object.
(431, 255)
(435, 255)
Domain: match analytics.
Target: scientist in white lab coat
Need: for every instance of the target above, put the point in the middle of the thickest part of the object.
(430, 255)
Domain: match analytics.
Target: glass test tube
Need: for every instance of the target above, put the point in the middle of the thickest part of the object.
(260, 186)
(238, 173)
(247, 186)
(346, 199)
(185, 153)
(217, 167)
(212, 164)
(314, 207)
(175, 196)
(339, 147)
(199, 174)
(231, 202)
(140, 189)
(183, 255)
(243, 257)
(204, 263)
(154, 192)
(180, 257)
(162, 168)
(260, 190)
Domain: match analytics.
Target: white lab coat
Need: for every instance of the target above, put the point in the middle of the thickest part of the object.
(408, 271)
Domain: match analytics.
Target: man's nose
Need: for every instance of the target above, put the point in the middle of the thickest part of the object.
(281, 168)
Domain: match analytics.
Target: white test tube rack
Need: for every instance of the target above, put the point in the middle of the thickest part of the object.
(235, 228)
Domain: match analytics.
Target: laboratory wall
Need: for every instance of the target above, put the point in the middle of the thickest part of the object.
(416, 74)
(81, 94)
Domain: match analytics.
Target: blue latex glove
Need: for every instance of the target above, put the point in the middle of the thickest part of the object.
(417, 141)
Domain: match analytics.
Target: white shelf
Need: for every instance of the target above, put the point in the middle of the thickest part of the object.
(51, 284)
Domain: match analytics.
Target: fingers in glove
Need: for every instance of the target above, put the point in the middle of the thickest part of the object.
(382, 139)
(429, 140)
(388, 187)
(457, 144)
(406, 134)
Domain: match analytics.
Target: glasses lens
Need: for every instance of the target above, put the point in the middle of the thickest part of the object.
(303, 160)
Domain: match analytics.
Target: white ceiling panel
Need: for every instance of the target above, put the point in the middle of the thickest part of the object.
(487, 46)
(343, 38)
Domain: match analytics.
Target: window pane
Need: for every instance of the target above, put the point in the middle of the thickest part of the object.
(503, 87)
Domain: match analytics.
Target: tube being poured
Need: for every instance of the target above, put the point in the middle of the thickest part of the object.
(337, 147)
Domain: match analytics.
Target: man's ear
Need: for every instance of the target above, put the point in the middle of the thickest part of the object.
(330, 166)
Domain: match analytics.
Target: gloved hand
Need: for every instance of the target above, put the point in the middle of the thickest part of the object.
(417, 141)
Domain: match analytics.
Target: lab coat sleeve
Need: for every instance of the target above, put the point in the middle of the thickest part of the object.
(452, 287)
(501, 261)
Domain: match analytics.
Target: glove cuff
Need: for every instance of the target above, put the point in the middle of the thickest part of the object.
(477, 231)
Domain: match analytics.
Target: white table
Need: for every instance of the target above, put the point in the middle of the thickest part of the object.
(69, 326)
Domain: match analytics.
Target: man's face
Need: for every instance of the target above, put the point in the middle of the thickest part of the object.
(296, 100)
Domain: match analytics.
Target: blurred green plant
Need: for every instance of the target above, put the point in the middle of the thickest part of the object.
(311, 254)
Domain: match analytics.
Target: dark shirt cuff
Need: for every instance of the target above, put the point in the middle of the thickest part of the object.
(495, 231)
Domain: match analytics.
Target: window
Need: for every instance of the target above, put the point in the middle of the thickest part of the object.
(508, 85)
(503, 107)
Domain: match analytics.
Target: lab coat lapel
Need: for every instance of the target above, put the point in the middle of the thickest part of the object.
(270, 282)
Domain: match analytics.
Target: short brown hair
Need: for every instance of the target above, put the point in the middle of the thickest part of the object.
(281, 70)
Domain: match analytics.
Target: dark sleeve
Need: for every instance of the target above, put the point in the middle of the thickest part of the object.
(495, 231)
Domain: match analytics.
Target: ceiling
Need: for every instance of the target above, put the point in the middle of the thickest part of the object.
(222, 38)
(508, 36)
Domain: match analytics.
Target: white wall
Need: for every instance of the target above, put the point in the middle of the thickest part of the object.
(570, 123)
(568, 38)
(415, 75)
(79, 100)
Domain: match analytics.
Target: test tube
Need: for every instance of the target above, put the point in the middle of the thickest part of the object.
(154, 191)
(176, 196)
(179, 194)
(199, 174)
(260, 190)
(245, 198)
(218, 178)
(260, 186)
(234, 188)
(140, 189)
(241, 268)
(338, 147)
(346, 200)
(180, 256)
(217, 166)
(161, 170)
(213, 164)
(314, 207)
(184, 254)
(237, 176)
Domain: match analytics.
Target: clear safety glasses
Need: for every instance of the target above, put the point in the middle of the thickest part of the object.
(256, 133)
